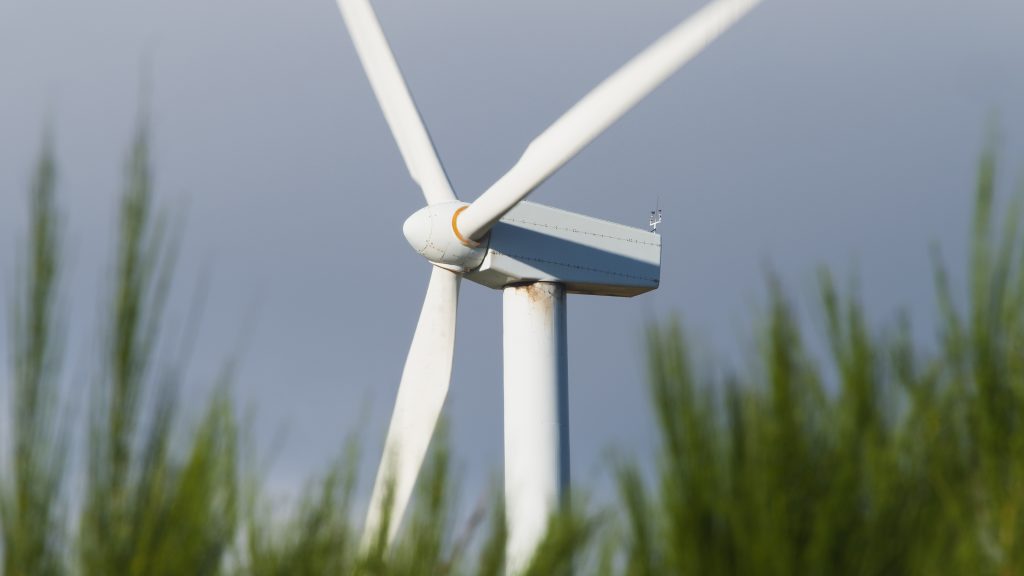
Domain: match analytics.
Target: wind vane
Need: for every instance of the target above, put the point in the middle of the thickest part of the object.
(655, 219)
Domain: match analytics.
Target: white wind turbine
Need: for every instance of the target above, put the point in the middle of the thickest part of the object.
(534, 253)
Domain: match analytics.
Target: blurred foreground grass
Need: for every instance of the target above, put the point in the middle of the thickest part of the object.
(882, 458)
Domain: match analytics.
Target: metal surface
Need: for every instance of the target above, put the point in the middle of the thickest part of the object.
(431, 232)
(536, 413)
(588, 255)
(421, 395)
(598, 110)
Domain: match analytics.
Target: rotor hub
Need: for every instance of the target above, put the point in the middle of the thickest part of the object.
(432, 232)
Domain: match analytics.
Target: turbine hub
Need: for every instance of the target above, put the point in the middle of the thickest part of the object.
(431, 232)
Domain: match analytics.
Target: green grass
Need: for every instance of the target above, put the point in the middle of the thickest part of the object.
(910, 462)
(882, 457)
(31, 493)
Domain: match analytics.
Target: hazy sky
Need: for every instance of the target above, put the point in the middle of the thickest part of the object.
(838, 133)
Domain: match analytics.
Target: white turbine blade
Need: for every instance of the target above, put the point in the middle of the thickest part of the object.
(395, 100)
(598, 110)
(421, 394)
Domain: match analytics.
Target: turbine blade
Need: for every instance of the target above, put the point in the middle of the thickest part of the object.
(396, 102)
(421, 394)
(598, 110)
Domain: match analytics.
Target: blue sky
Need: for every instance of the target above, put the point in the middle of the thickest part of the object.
(814, 133)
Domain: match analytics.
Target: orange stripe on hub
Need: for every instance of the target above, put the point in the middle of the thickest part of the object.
(455, 228)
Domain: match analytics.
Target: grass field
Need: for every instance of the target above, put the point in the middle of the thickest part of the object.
(881, 458)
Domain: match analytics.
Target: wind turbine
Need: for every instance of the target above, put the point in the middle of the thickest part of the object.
(535, 254)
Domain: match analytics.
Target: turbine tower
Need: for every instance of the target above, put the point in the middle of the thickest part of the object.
(535, 254)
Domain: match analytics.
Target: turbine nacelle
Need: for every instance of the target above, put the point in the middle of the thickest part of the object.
(432, 233)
